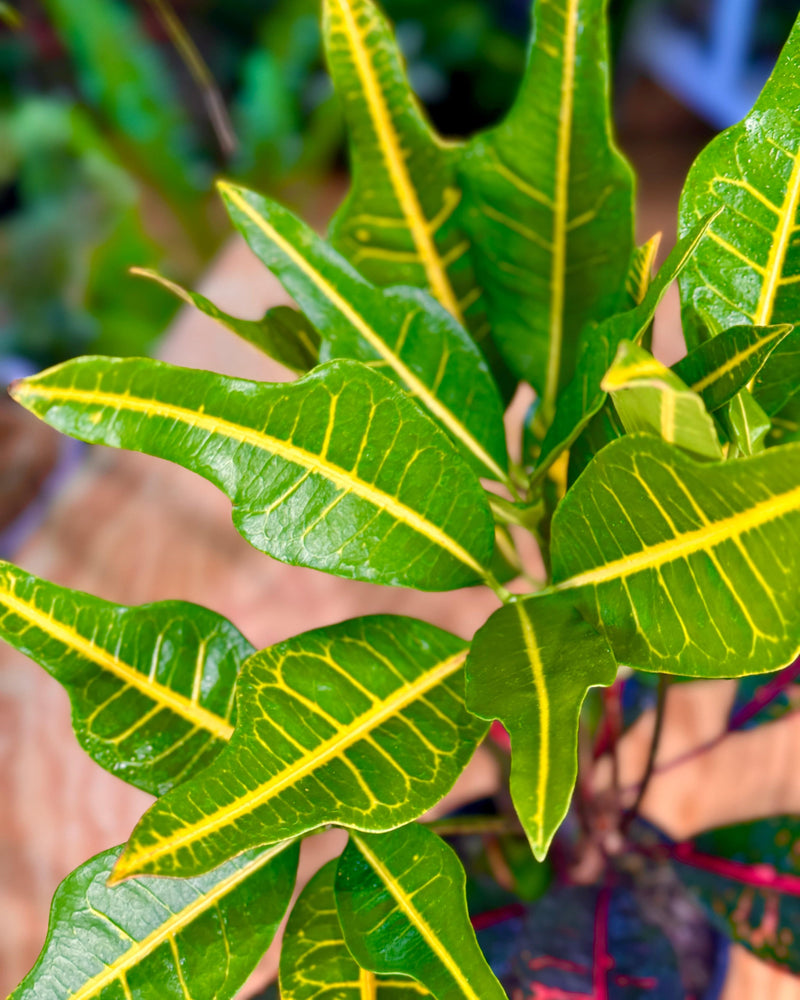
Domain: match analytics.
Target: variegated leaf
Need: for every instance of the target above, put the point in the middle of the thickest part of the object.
(413, 340)
(361, 724)
(151, 687)
(339, 471)
(161, 939)
(402, 905)
(747, 267)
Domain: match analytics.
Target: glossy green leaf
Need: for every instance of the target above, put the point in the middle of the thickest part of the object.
(315, 961)
(747, 876)
(397, 224)
(640, 273)
(746, 424)
(548, 201)
(778, 381)
(151, 687)
(747, 267)
(718, 368)
(374, 492)
(652, 399)
(531, 666)
(402, 905)
(584, 396)
(361, 724)
(284, 334)
(161, 939)
(687, 568)
(404, 331)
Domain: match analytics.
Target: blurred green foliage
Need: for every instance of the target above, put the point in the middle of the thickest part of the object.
(107, 153)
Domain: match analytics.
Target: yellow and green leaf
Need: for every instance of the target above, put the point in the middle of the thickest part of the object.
(339, 471)
(143, 938)
(722, 366)
(685, 567)
(151, 688)
(548, 201)
(315, 961)
(397, 224)
(747, 266)
(651, 399)
(531, 666)
(362, 724)
(284, 334)
(403, 331)
(402, 905)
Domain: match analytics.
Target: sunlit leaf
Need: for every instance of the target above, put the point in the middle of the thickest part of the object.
(284, 334)
(548, 201)
(151, 687)
(652, 399)
(640, 273)
(315, 961)
(161, 939)
(404, 331)
(361, 724)
(747, 266)
(374, 492)
(687, 568)
(400, 898)
(531, 666)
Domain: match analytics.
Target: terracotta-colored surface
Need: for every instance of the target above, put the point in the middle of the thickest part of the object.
(133, 529)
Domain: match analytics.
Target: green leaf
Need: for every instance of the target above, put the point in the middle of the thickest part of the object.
(161, 938)
(747, 266)
(779, 380)
(315, 961)
(650, 398)
(640, 273)
(375, 492)
(397, 224)
(548, 201)
(746, 424)
(414, 340)
(151, 687)
(361, 724)
(402, 905)
(687, 568)
(584, 396)
(531, 666)
(718, 368)
(747, 877)
(284, 334)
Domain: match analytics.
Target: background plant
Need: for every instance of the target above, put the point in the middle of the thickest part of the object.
(665, 502)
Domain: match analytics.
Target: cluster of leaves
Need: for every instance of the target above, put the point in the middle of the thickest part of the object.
(666, 502)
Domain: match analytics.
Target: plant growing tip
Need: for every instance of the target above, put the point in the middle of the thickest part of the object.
(665, 503)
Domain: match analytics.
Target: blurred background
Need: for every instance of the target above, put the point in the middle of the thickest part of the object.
(115, 118)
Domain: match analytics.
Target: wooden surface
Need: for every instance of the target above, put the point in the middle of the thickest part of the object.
(133, 529)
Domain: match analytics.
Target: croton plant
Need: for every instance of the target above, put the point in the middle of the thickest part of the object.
(665, 502)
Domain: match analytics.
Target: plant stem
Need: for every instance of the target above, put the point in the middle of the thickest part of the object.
(661, 704)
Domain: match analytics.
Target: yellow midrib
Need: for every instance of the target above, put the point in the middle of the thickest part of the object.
(405, 903)
(543, 706)
(709, 536)
(367, 985)
(414, 384)
(398, 172)
(736, 360)
(560, 210)
(258, 439)
(310, 761)
(779, 248)
(177, 703)
(141, 949)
